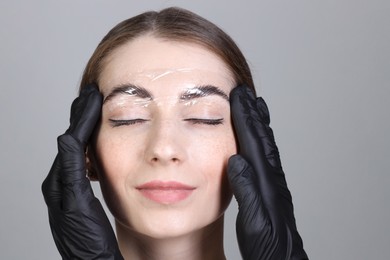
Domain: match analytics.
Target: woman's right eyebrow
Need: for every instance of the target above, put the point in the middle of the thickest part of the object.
(128, 89)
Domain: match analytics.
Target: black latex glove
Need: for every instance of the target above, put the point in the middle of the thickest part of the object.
(265, 223)
(80, 227)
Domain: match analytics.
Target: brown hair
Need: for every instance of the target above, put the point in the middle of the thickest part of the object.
(174, 24)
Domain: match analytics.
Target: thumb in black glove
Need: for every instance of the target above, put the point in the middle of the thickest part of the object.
(265, 223)
(79, 225)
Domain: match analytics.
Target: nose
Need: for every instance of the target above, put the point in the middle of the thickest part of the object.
(166, 144)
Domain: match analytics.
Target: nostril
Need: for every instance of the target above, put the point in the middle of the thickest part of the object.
(156, 160)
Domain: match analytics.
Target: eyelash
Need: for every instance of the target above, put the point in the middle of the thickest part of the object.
(119, 122)
(195, 121)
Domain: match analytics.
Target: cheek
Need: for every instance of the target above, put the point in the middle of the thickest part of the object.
(215, 153)
(118, 154)
(116, 161)
(110, 151)
(222, 144)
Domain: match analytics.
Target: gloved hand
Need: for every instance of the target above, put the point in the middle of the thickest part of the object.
(265, 223)
(80, 227)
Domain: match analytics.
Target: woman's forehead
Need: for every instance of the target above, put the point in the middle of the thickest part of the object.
(151, 61)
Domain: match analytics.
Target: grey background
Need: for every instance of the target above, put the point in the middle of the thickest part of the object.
(322, 66)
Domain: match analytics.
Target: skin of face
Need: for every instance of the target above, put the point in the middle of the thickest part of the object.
(170, 136)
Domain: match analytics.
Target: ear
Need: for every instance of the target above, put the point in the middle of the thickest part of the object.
(91, 165)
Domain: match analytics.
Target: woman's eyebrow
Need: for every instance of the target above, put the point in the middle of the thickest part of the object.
(203, 91)
(128, 89)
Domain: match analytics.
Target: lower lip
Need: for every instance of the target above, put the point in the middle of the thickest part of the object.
(166, 196)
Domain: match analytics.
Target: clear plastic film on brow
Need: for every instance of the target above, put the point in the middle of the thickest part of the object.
(192, 85)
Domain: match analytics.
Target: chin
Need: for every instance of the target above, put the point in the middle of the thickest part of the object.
(171, 223)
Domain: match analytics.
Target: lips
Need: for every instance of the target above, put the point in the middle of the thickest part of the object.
(165, 192)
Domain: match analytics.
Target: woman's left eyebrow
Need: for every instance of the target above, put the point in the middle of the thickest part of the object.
(203, 91)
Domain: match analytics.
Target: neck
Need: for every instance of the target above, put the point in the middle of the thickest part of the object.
(204, 244)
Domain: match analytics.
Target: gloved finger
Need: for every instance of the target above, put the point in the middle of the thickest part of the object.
(270, 148)
(272, 154)
(52, 187)
(252, 221)
(77, 191)
(251, 122)
(71, 158)
(262, 108)
(248, 127)
(86, 234)
(247, 123)
(244, 186)
(79, 197)
(85, 113)
(253, 139)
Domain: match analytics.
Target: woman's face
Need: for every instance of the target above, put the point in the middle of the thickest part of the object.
(165, 136)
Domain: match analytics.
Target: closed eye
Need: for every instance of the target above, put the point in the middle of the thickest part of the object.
(205, 121)
(121, 122)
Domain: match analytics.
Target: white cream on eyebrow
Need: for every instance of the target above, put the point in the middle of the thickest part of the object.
(131, 92)
(194, 91)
